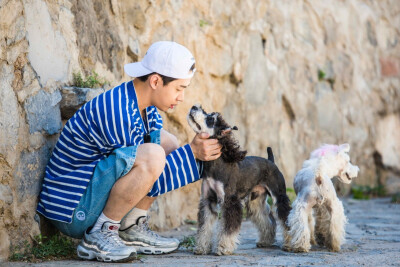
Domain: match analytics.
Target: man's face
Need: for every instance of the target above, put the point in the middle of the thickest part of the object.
(169, 96)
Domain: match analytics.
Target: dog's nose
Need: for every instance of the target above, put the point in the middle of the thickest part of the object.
(195, 107)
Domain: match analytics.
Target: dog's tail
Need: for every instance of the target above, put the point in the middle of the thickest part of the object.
(277, 189)
(270, 154)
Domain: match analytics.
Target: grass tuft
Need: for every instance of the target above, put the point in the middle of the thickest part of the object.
(189, 242)
(367, 192)
(55, 248)
(396, 198)
(91, 81)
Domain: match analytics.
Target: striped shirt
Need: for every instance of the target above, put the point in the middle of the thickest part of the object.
(109, 121)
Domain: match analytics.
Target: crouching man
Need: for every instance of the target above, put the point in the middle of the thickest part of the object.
(113, 159)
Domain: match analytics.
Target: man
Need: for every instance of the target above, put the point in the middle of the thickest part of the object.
(113, 158)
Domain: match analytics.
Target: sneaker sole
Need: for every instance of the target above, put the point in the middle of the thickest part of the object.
(153, 250)
(87, 254)
(142, 248)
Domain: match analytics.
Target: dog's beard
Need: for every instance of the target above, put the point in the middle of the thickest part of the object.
(195, 126)
(197, 121)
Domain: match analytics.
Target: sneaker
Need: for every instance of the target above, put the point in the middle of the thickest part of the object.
(105, 245)
(146, 241)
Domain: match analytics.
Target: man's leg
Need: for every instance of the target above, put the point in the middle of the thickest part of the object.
(103, 241)
(134, 228)
(130, 189)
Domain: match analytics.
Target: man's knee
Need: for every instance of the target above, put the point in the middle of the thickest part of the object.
(169, 142)
(151, 159)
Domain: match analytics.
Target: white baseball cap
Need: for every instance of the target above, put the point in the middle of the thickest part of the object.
(166, 58)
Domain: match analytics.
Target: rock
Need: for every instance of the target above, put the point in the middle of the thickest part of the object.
(6, 194)
(74, 97)
(388, 140)
(30, 172)
(48, 53)
(43, 112)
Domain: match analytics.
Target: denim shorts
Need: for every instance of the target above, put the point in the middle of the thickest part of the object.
(93, 201)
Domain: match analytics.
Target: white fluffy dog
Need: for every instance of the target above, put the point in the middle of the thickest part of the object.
(316, 196)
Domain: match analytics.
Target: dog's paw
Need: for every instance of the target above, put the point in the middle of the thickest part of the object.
(313, 242)
(333, 248)
(201, 251)
(263, 244)
(300, 250)
(222, 252)
(286, 248)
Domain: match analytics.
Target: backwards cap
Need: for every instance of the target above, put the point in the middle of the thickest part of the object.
(166, 58)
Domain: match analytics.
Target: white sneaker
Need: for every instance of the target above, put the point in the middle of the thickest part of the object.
(146, 241)
(105, 245)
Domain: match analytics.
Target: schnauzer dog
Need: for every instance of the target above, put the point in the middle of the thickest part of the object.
(316, 196)
(231, 180)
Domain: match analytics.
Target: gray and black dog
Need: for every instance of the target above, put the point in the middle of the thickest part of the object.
(231, 180)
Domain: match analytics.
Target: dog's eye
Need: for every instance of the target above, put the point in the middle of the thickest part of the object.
(210, 121)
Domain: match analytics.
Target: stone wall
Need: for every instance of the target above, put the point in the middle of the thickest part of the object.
(290, 74)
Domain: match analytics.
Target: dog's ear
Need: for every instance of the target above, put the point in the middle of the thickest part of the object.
(345, 148)
(228, 130)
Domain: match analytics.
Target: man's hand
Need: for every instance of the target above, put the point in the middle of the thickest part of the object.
(205, 149)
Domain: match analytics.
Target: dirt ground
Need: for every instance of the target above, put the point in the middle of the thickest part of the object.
(372, 239)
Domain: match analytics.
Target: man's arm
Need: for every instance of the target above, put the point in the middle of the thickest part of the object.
(181, 167)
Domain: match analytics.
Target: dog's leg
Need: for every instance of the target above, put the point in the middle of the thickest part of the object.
(299, 230)
(337, 226)
(215, 188)
(229, 226)
(322, 224)
(206, 218)
(261, 215)
(311, 225)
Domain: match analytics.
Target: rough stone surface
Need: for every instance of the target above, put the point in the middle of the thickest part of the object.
(43, 112)
(290, 74)
(48, 52)
(30, 172)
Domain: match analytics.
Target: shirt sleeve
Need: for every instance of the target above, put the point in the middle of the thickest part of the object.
(180, 169)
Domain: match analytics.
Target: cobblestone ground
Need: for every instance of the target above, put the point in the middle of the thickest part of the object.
(373, 239)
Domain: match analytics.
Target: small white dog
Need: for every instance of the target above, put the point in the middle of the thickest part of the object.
(316, 194)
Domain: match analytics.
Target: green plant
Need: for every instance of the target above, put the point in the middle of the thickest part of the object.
(189, 242)
(91, 81)
(366, 192)
(291, 194)
(192, 222)
(204, 23)
(321, 75)
(56, 247)
(396, 198)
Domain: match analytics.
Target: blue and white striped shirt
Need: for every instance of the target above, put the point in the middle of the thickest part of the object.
(107, 122)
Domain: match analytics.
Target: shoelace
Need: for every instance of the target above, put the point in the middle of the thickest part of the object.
(144, 227)
(112, 237)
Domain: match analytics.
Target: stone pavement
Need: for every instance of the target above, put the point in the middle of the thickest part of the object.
(373, 239)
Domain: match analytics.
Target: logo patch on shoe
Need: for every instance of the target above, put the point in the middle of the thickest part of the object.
(113, 227)
(80, 215)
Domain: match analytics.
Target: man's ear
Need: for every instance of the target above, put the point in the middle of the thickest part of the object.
(155, 80)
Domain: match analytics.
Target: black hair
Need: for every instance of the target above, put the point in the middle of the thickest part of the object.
(166, 80)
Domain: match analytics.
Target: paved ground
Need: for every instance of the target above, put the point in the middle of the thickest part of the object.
(373, 239)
